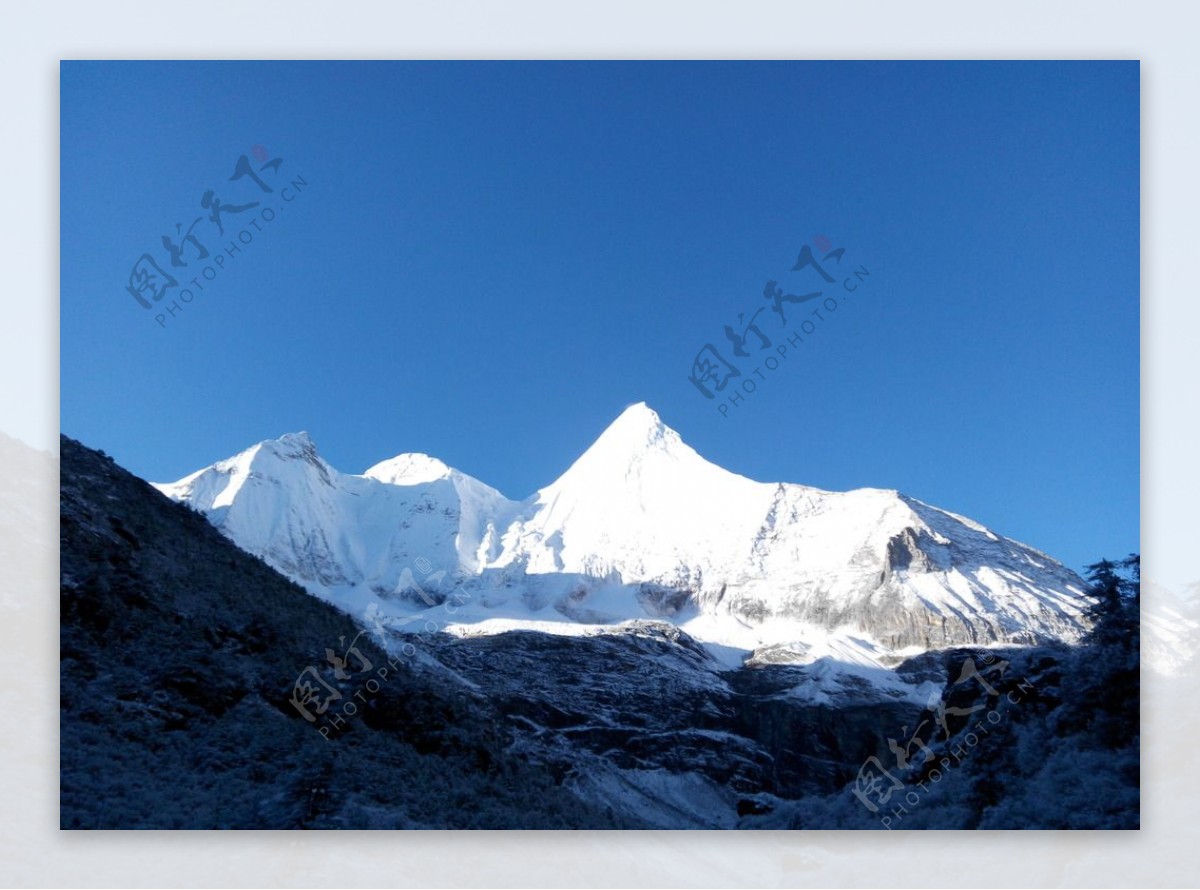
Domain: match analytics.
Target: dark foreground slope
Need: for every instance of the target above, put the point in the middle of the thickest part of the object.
(179, 654)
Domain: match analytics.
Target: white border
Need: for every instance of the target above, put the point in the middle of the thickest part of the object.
(35, 36)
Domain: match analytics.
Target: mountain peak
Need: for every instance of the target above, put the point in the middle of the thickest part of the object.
(639, 413)
(636, 428)
(290, 445)
(635, 448)
(300, 438)
(409, 469)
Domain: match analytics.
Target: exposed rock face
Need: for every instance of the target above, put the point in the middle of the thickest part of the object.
(640, 526)
(642, 717)
(904, 552)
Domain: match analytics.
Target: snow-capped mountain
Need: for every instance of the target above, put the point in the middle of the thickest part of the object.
(328, 530)
(640, 526)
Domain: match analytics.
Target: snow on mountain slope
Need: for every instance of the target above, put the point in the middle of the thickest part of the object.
(641, 503)
(330, 531)
(640, 506)
(641, 526)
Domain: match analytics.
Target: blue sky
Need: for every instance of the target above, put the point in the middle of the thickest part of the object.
(488, 261)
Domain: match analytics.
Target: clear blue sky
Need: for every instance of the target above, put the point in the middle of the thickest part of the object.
(490, 261)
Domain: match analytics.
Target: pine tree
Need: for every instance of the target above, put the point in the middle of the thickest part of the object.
(1116, 614)
(1109, 672)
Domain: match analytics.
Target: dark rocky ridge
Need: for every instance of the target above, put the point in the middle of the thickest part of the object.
(178, 657)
